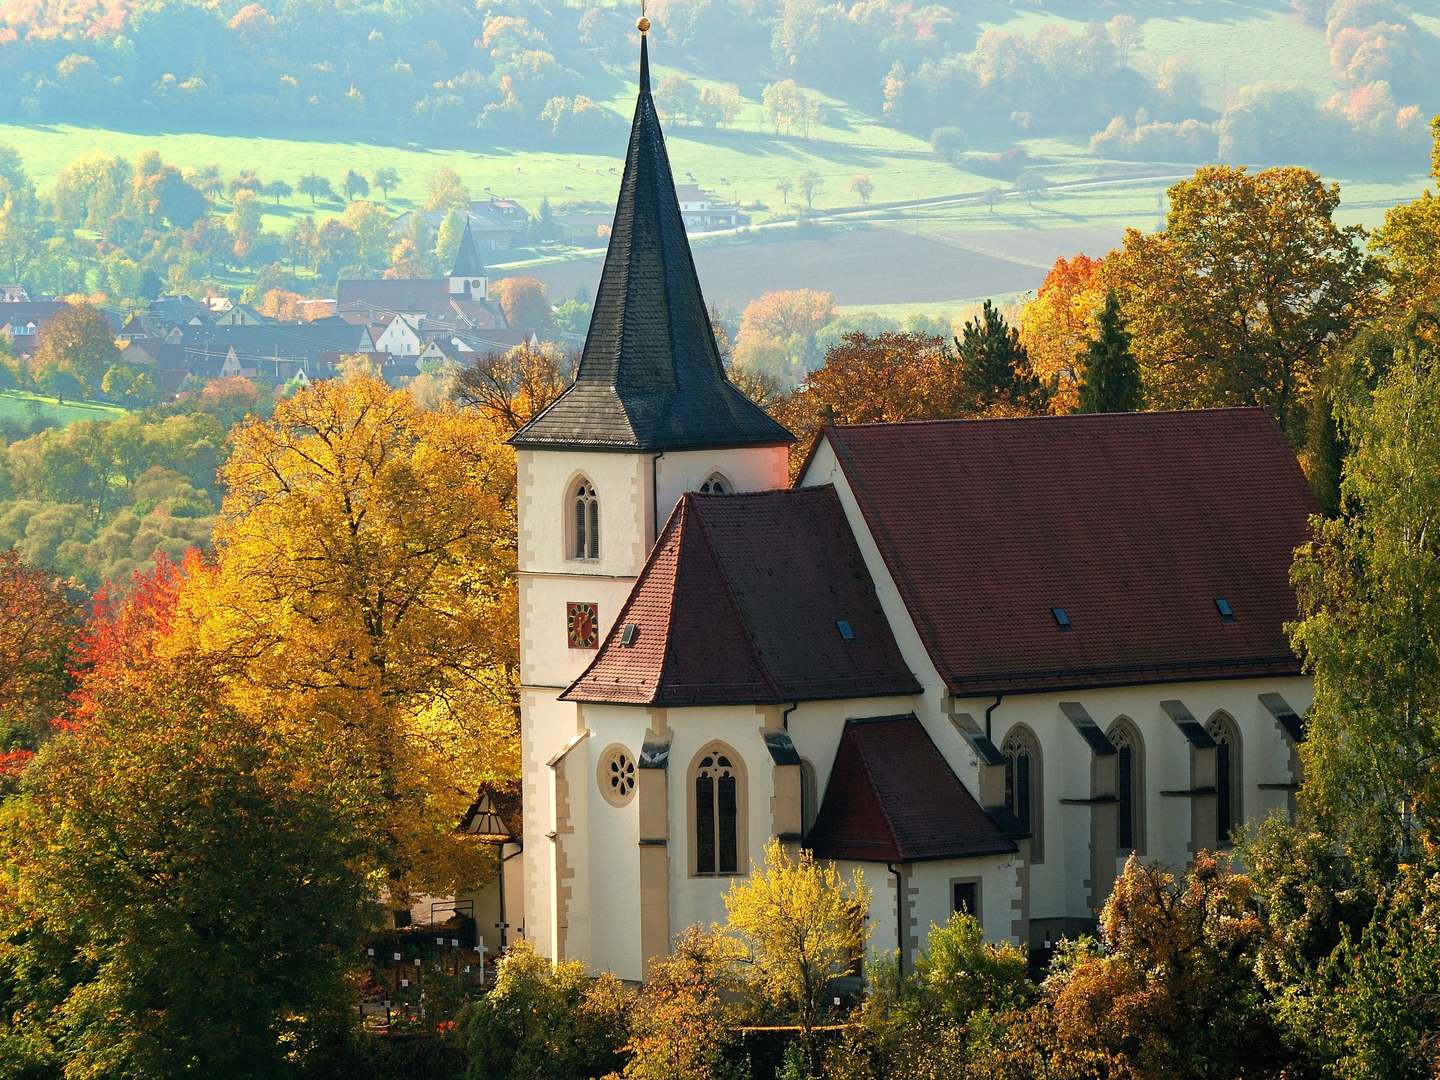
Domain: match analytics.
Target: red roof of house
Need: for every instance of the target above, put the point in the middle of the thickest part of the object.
(1134, 524)
(892, 797)
(739, 603)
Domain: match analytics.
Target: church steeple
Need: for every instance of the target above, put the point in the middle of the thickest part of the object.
(650, 375)
(467, 276)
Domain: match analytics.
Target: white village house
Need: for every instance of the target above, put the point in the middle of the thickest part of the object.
(982, 660)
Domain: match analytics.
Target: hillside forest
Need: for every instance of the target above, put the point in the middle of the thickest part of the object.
(988, 100)
(528, 73)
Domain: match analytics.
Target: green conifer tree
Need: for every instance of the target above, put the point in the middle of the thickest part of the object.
(1109, 376)
(994, 368)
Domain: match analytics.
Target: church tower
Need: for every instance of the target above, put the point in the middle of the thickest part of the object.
(649, 417)
(467, 276)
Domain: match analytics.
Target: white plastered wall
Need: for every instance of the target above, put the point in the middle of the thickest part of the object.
(613, 868)
(931, 895)
(549, 580)
(1058, 884)
(756, 468)
(928, 897)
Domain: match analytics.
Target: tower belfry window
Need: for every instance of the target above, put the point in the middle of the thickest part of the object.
(585, 522)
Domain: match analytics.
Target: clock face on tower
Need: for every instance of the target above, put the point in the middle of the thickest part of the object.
(582, 626)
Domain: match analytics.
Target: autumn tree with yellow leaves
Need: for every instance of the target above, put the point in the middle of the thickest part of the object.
(363, 593)
(797, 925)
(1408, 244)
(1056, 326)
(512, 386)
(1238, 299)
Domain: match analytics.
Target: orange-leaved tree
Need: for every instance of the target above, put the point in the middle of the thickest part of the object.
(867, 379)
(40, 617)
(363, 593)
(1170, 990)
(1056, 326)
(777, 333)
(522, 299)
(679, 1029)
(128, 627)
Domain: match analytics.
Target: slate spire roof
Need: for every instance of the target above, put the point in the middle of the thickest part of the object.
(650, 376)
(468, 263)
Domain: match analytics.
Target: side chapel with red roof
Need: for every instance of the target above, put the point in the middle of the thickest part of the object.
(985, 661)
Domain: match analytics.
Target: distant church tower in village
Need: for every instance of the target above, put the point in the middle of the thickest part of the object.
(467, 276)
(983, 661)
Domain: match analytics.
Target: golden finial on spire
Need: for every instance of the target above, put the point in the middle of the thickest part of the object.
(643, 25)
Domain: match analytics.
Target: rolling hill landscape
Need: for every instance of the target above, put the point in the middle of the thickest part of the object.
(976, 206)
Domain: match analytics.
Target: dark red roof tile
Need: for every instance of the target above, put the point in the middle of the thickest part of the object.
(892, 797)
(1132, 523)
(739, 604)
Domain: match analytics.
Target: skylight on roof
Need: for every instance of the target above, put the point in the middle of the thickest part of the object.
(1227, 613)
(628, 635)
(1062, 617)
(846, 631)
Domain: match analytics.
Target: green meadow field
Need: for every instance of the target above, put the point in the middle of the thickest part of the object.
(18, 405)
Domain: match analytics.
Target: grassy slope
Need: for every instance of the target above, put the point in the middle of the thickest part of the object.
(17, 405)
(744, 163)
(1230, 43)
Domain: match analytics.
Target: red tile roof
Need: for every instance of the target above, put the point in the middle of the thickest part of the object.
(892, 797)
(1133, 524)
(739, 604)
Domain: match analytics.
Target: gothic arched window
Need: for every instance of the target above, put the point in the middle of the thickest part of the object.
(1023, 786)
(1129, 785)
(717, 787)
(716, 484)
(1229, 800)
(584, 521)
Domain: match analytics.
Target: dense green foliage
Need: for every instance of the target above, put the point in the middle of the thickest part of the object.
(1109, 375)
(181, 897)
(98, 499)
(542, 1020)
(1369, 591)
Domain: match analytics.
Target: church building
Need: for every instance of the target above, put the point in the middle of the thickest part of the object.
(984, 661)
